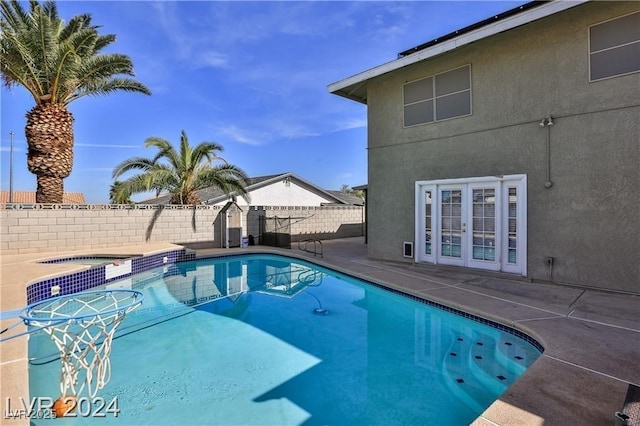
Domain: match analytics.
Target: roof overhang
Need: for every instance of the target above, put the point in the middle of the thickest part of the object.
(355, 87)
(277, 178)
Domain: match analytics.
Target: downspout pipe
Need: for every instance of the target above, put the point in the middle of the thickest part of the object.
(548, 122)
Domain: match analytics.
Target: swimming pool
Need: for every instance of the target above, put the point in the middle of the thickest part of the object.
(265, 339)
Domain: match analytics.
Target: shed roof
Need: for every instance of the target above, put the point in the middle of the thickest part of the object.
(347, 198)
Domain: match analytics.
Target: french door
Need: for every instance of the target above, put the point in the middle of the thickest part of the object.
(477, 223)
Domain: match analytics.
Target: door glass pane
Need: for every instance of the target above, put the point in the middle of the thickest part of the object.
(451, 223)
(427, 227)
(484, 224)
(512, 232)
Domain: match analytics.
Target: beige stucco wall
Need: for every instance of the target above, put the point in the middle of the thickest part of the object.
(588, 220)
(48, 230)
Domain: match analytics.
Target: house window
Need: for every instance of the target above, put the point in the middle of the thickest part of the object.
(439, 97)
(614, 47)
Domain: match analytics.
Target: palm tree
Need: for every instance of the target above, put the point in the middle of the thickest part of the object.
(57, 63)
(355, 192)
(183, 172)
(117, 196)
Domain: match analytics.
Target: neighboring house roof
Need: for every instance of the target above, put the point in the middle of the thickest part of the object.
(29, 197)
(214, 195)
(348, 198)
(355, 87)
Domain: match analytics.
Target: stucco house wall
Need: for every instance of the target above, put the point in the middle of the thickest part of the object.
(588, 219)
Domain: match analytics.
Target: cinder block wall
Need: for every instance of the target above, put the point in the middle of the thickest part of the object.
(43, 228)
(325, 222)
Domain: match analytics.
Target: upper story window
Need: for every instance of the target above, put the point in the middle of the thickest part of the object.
(614, 47)
(438, 97)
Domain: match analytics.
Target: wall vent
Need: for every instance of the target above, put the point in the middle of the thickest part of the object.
(407, 248)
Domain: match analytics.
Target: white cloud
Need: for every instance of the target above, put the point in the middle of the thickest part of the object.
(355, 123)
(15, 149)
(95, 170)
(189, 34)
(213, 60)
(239, 135)
(267, 130)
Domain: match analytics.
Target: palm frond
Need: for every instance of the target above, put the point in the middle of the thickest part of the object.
(59, 63)
(209, 151)
(107, 87)
(228, 178)
(135, 163)
(14, 14)
(50, 9)
(75, 24)
(104, 41)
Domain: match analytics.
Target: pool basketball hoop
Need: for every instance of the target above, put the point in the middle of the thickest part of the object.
(82, 326)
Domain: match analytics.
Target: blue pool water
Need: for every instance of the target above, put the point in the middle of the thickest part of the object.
(269, 340)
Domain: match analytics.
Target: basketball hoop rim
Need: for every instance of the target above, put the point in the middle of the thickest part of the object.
(135, 296)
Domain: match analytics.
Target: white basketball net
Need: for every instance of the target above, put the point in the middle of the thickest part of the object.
(82, 326)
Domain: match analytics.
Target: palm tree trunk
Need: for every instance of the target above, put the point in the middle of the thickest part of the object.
(49, 134)
(50, 189)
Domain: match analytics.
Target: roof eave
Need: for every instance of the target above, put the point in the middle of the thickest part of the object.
(269, 181)
(350, 86)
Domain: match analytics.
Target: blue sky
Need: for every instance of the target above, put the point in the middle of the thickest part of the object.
(251, 76)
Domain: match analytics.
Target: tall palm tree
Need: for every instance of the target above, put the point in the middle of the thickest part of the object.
(182, 172)
(57, 63)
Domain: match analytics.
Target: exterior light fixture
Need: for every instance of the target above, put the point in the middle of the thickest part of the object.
(547, 121)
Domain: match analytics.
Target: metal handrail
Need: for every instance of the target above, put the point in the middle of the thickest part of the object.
(315, 248)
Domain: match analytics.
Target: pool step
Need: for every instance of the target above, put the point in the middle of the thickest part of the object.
(477, 368)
